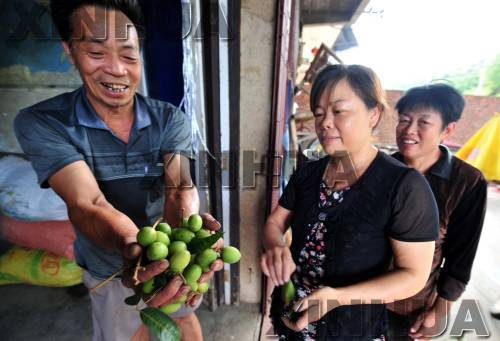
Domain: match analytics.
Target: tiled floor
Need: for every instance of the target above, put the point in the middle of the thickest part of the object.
(36, 313)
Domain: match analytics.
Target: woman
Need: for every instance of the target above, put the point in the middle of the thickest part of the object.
(351, 213)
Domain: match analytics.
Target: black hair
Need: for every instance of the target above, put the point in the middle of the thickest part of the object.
(364, 82)
(62, 13)
(439, 97)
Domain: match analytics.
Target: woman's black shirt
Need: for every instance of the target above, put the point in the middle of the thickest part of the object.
(388, 200)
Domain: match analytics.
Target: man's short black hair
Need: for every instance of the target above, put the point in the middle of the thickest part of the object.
(442, 98)
(62, 12)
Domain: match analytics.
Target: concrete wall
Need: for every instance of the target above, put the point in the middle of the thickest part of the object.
(33, 66)
(258, 25)
(11, 101)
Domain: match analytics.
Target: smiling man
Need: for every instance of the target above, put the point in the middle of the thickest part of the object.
(427, 116)
(119, 160)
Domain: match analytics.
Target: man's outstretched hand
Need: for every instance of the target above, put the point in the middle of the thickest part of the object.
(176, 287)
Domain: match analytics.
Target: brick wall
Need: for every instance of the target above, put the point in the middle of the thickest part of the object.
(478, 110)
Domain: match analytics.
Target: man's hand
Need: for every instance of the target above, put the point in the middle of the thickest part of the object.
(216, 266)
(277, 264)
(431, 322)
(176, 287)
(210, 223)
(173, 290)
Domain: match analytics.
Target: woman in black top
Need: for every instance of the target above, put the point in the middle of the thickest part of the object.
(351, 214)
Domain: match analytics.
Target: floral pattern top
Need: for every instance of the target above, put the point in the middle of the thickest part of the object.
(310, 265)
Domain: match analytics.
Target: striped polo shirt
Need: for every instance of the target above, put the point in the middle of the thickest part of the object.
(65, 129)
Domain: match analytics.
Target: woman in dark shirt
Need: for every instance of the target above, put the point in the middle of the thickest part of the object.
(351, 214)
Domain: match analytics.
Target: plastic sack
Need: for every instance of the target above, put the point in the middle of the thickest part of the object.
(53, 236)
(22, 198)
(37, 267)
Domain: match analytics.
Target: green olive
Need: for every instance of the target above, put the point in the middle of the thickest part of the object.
(162, 237)
(203, 287)
(165, 228)
(195, 222)
(230, 255)
(149, 286)
(177, 246)
(170, 308)
(146, 236)
(179, 261)
(157, 251)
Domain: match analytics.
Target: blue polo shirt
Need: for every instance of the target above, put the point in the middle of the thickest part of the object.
(65, 129)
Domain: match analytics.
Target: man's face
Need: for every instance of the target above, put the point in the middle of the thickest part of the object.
(419, 133)
(106, 54)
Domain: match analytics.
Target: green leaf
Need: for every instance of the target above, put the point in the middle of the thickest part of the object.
(161, 280)
(133, 300)
(160, 324)
(200, 244)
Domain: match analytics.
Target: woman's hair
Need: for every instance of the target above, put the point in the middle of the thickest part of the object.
(441, 98)
(361, 79)
(62, 14)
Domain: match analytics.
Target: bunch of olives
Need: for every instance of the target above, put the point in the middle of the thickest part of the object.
(190, 252)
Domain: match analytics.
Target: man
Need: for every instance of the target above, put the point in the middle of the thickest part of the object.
(119, 161)
(427, 116)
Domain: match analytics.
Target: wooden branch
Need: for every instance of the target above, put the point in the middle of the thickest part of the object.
(118, 272)
(135, 278)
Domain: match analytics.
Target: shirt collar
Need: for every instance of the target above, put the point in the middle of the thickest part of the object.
(442, 167)
(87, 116)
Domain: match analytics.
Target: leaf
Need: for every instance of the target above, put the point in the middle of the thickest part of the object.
(133, 300)
(200, 244)
(160, 324)
(161, 280)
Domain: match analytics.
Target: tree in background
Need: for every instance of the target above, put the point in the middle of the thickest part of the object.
(481, 79)
(491, 85)
(466, 81)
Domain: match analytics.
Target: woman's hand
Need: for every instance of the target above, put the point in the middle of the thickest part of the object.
(276, 261)
(277, 264)
(313, 307)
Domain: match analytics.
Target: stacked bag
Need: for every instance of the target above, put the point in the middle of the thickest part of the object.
(36, 221)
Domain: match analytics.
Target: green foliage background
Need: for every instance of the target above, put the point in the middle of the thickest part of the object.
(469, 81)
